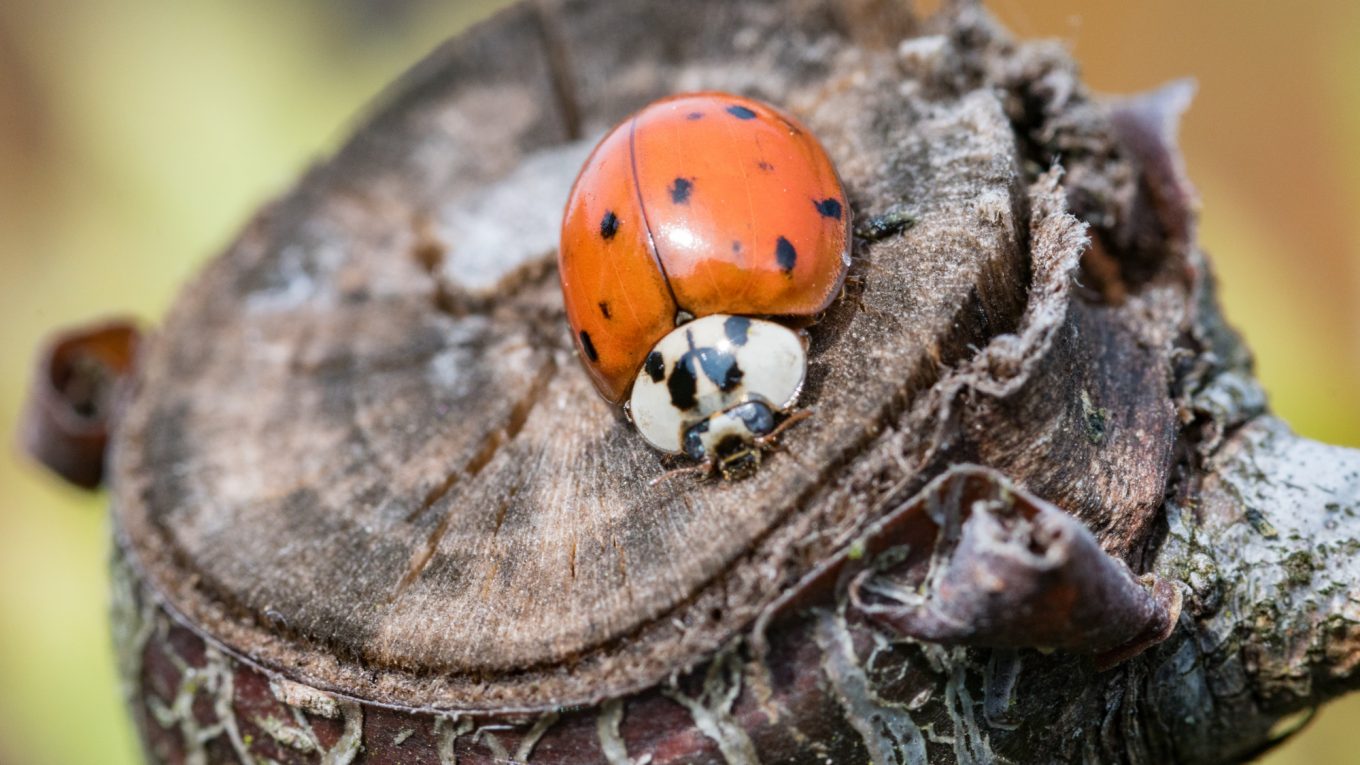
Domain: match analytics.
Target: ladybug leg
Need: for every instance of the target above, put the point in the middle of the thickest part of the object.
(703, 468)
(766, 440)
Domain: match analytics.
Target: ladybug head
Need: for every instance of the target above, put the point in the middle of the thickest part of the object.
(731, 440)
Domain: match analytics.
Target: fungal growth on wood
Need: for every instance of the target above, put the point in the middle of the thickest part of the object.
(369, 509)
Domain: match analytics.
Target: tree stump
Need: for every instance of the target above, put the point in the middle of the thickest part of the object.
(369, 510)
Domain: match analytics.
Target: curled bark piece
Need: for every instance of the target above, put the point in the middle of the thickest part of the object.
(1006, 569)
(80, 379)
(974, 560)
(1164, 212)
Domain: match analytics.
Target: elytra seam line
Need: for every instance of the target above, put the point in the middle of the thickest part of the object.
(646, 222)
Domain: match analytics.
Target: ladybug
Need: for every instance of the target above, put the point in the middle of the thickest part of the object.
(697, 232)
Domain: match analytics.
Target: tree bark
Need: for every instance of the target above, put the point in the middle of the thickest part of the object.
(368, 508)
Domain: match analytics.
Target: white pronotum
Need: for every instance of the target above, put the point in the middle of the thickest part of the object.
(710, 365)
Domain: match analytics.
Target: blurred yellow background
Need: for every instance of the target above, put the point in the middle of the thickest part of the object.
(136, 137)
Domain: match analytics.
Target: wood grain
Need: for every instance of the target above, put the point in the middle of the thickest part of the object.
(353, 446)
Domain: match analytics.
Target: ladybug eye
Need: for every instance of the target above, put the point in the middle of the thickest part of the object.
(757, 417)
(694, 442)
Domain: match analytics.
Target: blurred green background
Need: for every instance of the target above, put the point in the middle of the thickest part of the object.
(136, 137)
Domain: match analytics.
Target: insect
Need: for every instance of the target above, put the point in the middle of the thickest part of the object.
(695, 228)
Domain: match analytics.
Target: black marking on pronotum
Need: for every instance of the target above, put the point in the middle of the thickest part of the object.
(609, 225)
(829, 207)
(785, 255)
(765, 166)
(741, 112)
(736, 328)
(680, 190)
(604, 309)
(655, 366)
(720, 367)
(682, 384)
(588, 346)
(694, 116)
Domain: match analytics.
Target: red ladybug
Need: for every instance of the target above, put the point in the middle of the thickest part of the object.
(702, 205)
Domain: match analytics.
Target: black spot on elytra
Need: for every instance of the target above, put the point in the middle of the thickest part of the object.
(680, 190)
(682, 384)
(655, 366)
(588, 346)
(829, 207)
(694, 116)
(785, 255)
(736, 246)
(741, 112)
(609, 226)
(765, 166)
(720, 367)
(604, 309)
(736, 328)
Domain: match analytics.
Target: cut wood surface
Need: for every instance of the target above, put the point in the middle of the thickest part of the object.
(370, 432)
(363, 460)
